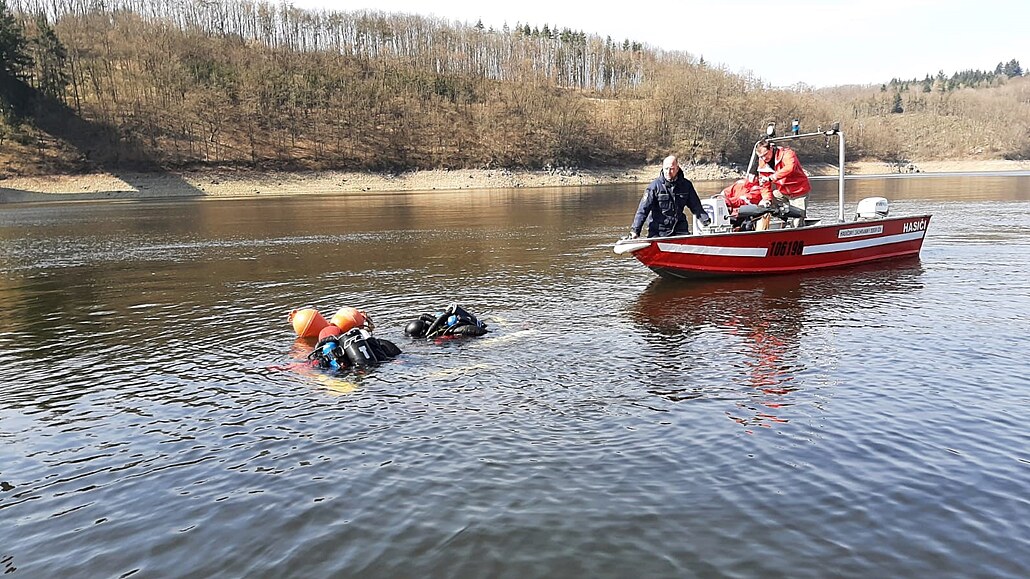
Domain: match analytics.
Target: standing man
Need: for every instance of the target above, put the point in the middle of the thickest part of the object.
(664, 200)
(782, 176)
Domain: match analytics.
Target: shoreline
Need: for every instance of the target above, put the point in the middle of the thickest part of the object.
(221, 183)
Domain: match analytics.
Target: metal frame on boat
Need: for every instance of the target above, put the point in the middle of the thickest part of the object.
(717, 250)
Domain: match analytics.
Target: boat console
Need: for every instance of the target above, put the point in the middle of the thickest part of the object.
(721, 221)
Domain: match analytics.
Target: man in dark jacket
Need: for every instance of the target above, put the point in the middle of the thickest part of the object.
(665, 199)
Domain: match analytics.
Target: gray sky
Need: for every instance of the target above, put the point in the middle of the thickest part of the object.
(784, 42)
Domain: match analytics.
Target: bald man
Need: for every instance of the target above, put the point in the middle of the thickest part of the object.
(665, 200)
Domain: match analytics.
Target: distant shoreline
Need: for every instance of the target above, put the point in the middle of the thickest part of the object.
(221, 183)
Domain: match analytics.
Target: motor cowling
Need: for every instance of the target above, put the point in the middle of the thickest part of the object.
(873, 208)
(718, 212)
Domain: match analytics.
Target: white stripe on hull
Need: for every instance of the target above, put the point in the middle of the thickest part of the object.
(713, 250)
(862, 243)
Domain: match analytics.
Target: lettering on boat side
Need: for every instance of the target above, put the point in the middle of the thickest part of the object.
(914, 226)
(782, 248)
(859, 231)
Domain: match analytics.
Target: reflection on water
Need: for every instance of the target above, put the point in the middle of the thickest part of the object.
(154, 422)
(749, 332)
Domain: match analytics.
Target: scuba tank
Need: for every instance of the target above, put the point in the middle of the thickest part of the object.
(359, 349)
(463, 323)
(454, 321)
(356, 348)
(468, 330)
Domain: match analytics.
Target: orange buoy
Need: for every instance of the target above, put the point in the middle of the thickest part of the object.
(330, 330)
(307, 322)
(349, 318)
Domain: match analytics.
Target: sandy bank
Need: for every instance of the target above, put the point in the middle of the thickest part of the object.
(233, 183)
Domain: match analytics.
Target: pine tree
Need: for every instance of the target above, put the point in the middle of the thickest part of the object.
(14, 56)
(896, 106)
(1012, 68)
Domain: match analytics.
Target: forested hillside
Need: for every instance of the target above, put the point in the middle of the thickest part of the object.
(186, 83)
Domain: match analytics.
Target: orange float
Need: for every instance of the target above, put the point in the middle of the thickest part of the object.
(349, 318)
(330, 330)
(307, 322)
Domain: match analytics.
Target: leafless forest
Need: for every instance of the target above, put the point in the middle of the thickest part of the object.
(187, 83)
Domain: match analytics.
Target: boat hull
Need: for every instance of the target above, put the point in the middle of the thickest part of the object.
(780, 251)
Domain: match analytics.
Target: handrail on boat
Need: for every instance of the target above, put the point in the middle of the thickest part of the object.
(835, 130)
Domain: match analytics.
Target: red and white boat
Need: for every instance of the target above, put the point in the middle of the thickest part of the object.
(717, 250)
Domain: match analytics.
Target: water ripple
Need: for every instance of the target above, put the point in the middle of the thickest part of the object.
(155, 415)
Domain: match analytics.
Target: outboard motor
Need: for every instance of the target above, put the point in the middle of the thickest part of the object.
(717, 211)
(872, 208)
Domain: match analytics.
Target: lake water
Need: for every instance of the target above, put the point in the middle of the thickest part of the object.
(867, 422)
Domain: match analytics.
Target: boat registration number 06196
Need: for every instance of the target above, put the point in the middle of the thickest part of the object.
(782, 248)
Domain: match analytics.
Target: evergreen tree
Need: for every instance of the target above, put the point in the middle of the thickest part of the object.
(896, 106)
(14, 56)
(1012, 68)
(51, 58)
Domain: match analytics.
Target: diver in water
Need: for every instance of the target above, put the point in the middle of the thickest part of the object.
(357, 348)
(455, 321)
